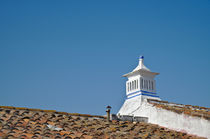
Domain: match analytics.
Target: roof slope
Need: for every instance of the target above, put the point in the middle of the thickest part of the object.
(141, 68)
(195, 111)
(34, 123)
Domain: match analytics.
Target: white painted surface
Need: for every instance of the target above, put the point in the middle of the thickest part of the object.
(141, 79)
(179, 122)
(141, 65)
(136, 105)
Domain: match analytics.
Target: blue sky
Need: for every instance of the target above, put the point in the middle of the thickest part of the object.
(70, 55)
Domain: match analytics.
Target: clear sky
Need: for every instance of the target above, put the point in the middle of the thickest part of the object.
(70, 55)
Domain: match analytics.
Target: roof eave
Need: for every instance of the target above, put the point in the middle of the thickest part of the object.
(130, 73)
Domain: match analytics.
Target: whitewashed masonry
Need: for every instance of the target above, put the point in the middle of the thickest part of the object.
(140, 86)
(141, 82)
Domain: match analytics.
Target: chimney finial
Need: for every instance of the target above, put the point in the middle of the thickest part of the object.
(141, 57)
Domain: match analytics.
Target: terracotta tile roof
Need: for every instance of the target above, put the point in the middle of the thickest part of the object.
(196, 111)
(35, 123)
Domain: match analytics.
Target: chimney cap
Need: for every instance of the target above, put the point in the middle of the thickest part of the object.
(108, 107)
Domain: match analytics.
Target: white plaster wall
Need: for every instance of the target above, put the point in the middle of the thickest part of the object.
(165, 118)
(132, 78)
(137, 77)
(130, 105)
